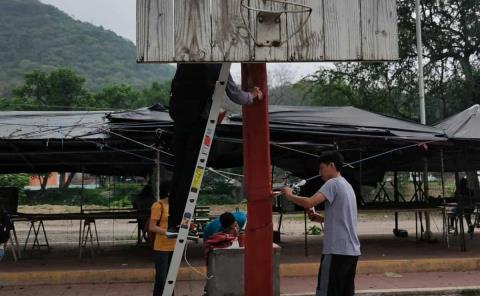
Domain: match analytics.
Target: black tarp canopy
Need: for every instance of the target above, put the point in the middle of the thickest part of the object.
(67, 141)
(357, 133)
(462, 126)
(38, 125)
(121, 142)
(299, 134)
(463, 131)
(348, 121)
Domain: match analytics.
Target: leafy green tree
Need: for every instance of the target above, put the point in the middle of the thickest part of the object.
(451, 37)
(63, 89)
(60, 88)
(159, 92)
(117, 97)
(14, 180)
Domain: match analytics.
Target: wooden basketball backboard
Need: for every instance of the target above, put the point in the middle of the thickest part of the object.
(172, 31)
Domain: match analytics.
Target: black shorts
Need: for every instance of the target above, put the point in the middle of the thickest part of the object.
(336, 276)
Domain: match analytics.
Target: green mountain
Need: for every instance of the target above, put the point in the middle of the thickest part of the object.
(38, 36)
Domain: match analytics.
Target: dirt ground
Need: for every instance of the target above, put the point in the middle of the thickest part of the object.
(114, 231)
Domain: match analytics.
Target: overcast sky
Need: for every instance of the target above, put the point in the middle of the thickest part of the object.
(120, 17)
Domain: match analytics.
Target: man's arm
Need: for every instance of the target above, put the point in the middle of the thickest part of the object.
(302, 201)
(239, 96)
(157, 229)
(155, 215)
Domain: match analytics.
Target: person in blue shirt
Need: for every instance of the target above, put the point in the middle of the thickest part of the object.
(215, 225)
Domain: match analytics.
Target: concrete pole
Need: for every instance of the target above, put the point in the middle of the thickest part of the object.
(421, 83)
(444, 212)
(396, 198)
(257, 182)
(428, 232)
(423, 118)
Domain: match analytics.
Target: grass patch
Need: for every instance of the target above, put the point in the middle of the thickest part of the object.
(121, 195)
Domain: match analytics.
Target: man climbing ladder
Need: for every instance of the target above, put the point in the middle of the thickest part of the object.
(192, 150)
(190, 105)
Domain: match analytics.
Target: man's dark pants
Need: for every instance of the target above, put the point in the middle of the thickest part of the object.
(186, 146)
(162, 263)
(336, 276)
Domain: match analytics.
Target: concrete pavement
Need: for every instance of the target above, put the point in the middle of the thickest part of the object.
(432, 283)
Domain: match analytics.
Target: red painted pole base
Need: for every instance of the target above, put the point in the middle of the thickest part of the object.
(256, 161)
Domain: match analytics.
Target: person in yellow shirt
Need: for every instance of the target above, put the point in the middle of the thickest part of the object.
(162, 246)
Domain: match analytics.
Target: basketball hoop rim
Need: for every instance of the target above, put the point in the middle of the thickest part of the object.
(305, 8)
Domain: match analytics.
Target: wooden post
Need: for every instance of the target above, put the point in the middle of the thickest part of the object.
(444, 211)
(256, 160)
(426, 194)
(396, 197)
(81, 192)
(360, 178)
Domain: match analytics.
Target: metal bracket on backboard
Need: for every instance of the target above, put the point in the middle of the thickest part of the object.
(268, 23)
(269, 29)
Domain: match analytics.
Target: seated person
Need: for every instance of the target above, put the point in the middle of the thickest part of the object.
(143, 203)
(216, 225)
(5, 226)
(223, 231)
(464, 195)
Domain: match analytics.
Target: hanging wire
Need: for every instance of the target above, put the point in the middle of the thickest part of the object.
(87, 125)
(58, 129)
(203, 275)
(294, 150)
(377, 155)
(138, 142)
(221, 173)
(101, 146)
(393, 150)
(64, 107)
(224, 176)
(49, 128)
(228, 173)
(68, 152)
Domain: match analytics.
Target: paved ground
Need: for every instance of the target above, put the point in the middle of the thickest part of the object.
(304, 285)
(112, 232)
(118, 252)
(374, 247)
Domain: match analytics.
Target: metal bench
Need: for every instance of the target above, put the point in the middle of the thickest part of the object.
(201, 217)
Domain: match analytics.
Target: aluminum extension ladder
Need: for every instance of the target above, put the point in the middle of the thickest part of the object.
(206, 144)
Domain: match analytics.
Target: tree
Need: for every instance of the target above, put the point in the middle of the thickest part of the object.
(159, 92)
(451, 37)
(60, 88)
(64, 181)
(14, 180)
(63, 89)
(281, 81)
(116, 97)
